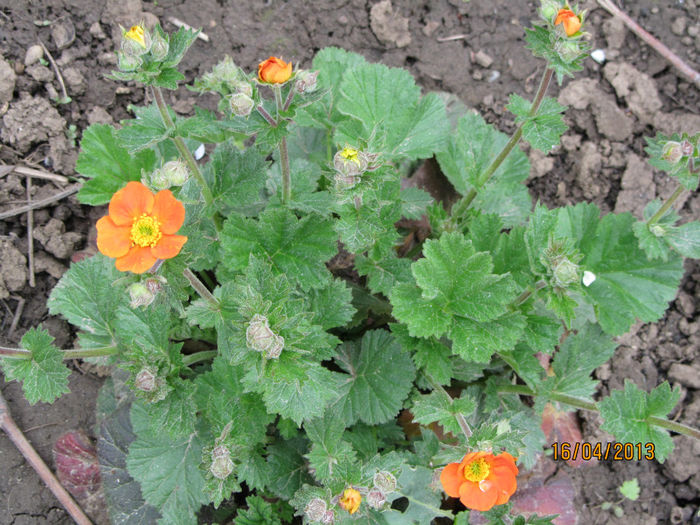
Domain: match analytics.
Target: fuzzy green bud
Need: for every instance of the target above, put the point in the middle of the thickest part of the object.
(687, 148)
(376, 499)
(221, 464)
(128, 62)
(242, 86)
(565, 273)
(241, 104)
(261, 338)
(136, 40)
(176, 172)
(226, 71)
(568, 50)
(385, 481)
(159, 47)
(140, 295)
(315, 510)
(672, 152)
(549, 9)
(306, 81)
(328, 517)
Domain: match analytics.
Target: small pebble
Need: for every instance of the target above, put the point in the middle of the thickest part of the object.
(678, 26)
(34, 53)
(598, 55)
(495, 75)
(483, 59)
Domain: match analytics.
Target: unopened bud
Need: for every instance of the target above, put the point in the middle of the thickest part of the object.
(549, 9)
(155, 284)
(159, 47)
(315, 510)
(565, 273)
(588, 278)
(176, 172)
(146, 380)
(672, 152)
(568, 50)
(343, 182)
(140, 295)
(657, 230)
(349, 162)
(136, 41)
(128, 62)
(241, 104)
(687, 148)
(306, 81)
(328, 518)
(242, 86)
(385, 481)
(226, 71)
(260, 337)
(376, 499)
(221, 465)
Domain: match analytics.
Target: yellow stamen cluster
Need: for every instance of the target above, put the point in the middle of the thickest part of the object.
(477, 471)
(145, 231)
(351, 154)
(137, 34)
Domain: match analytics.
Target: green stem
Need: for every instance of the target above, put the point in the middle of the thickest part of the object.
(72, 353)
(198, 357)
(662, 211)
(284, 155)
(587, 405)
(199, 287)
(460, 208)
(527, 293)
(182, 148)
(460, 418)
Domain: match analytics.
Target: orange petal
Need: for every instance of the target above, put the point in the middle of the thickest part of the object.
(451, 480)
(168, 246)
(130, 202)
(507, 460)
(504, 479)
(472, 456)
(138, 260)
(112, 240)
(169, 211)
(474, 498)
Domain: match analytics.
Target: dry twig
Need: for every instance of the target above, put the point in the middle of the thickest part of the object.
(57, 71)
(664, 51)
(25, 447)
(179, 23)
(451, 38)
(36, 174)
(41, 203)
(17, 315)
(30, 234)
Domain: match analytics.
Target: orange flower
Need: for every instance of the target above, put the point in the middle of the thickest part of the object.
(350, 500)
(571, 21)
(481, 480)
(140, 228)
(274, 71)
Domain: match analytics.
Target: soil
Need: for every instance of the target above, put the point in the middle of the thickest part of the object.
(635, 93)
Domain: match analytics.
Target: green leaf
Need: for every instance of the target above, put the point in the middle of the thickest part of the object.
(686, 239)
(386, 109)
(458, 295)
(330, 457)
(379, 378)
(542, 333)
(259, 512)
(469, 153)
(415, 484)
(626, 415)
(88, 297)
(108, 165)
(628, 286)
(630, 489)
(146, 130)
(543, 130)
(414, 202)
(655, 247)
(44, 377)
(289, 467)
(542, 41)
(305, 195)
(204, 127)
(430, 355)
(167, 469)
(435, 407)
(168, 78)
(383, 273)
(178, 44)
(295, 247)
(332, 304)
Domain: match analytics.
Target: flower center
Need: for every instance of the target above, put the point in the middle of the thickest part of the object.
(145, 231)
(477, 471)
(350, 154)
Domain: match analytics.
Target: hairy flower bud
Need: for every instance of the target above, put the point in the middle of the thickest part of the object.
(146, 380)
(128, 62)
(155, 284)
(385, 481)
(140, 295)
(549, 9)
(176, 172)
(376, 498)
(350, 500)
(568, 50)
(241, 104)
(672, 152)
(221, 465)
(565, 273)
(136, 41)
(306, 81)
(159, 47)
(260, 337)
(687, 148)
(315, 509)
(328, 518)
(242, 86)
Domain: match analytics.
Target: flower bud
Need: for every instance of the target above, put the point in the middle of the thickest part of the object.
(385, 481)
(140, 295)
(315, 510)
(657, 230)
(306, 81)
(687, 148)
(136, 41)
(568, 50)
(159, 47)
(349, 162)
(175, 172)
(588, 278)
(549, 9)
(672, 152)
(128, 62)
(376, 499)
(242, 86)
(155, 284)
(328, 517)
(221, 465)
(241, 104)
(146, 380)
(260, 337)
(274, 71)
(570, 21)
(226, 71)
(350, 500)
(565, 273)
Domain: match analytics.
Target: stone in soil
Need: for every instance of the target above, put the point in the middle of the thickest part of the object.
(388, 26)
(687, 375)
(684, 461)
(13, 269)
(30, 120)
(7, 81)
(638, 187)
(56, 240)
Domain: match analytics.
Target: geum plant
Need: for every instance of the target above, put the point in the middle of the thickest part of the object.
(249, 367)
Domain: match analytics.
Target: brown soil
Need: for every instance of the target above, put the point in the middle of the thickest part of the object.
(602, 160)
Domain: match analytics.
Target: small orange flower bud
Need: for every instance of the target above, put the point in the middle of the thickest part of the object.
(274, 71)
(350, 500)
(571, 21)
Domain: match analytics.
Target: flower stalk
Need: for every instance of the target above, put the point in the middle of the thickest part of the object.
(284, 155)
(198, 357)
(666, 206)
(72, 353)
(199, 287)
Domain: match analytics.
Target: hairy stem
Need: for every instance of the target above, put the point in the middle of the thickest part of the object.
(199, 287)
(587, 405)
(462, 206)
(288, 100)
(666, 206)
(182, 148)
(527, 293)
(264, 114)
(71, 353)
(460, 418)
(284, 155)
(198, 357)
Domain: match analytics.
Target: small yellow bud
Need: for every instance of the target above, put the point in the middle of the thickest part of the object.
(137, 34)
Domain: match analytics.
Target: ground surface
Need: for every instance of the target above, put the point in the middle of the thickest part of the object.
(602, 160)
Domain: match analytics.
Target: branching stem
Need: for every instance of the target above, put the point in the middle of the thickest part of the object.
(199, 287)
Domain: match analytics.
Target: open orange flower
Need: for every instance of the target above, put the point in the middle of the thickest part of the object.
(140, 228)
(350, 500)
(274, 71)
(571, 21)
(481, 480)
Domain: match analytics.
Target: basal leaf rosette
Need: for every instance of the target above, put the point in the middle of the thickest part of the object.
(141, 228)
(481, 480)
